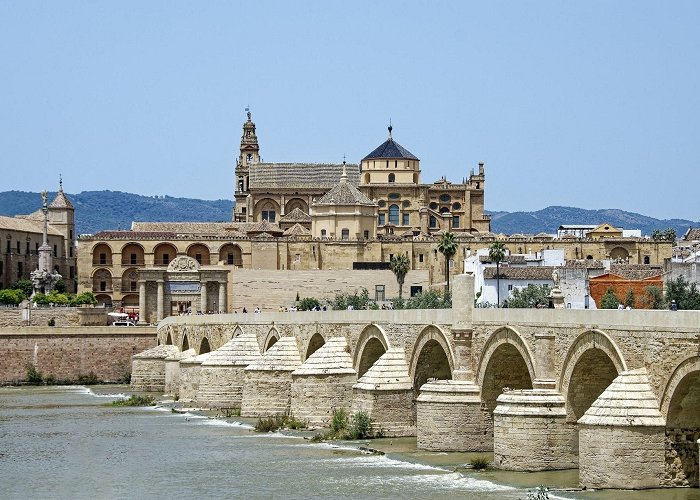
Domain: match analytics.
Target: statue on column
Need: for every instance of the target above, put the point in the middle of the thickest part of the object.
(44, 278)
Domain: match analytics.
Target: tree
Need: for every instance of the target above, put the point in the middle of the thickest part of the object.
(497, 252)
(529, 297)
(447, 245)
(629, 299)
(25, 285)
(308, 304)
(667, 235)
(655, 298)
(609, 300)
(686, 294)
(400, 266)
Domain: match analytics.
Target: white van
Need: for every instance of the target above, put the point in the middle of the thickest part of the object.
(123, 323)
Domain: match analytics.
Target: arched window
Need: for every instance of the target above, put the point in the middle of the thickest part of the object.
(445, 198)
(394, 214)
(433, 222)
(647, 260)
(345, 234)
(392, 178)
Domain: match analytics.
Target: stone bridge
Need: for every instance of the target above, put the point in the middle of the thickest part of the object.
(615, 393)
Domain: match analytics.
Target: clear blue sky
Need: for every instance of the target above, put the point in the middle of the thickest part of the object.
(594, 104)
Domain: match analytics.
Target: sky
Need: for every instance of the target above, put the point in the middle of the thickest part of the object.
(591, 104)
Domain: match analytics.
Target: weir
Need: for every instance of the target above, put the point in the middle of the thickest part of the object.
(532, 385)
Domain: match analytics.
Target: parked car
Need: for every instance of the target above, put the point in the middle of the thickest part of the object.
(123, 323)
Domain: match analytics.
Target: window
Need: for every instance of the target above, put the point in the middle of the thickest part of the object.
(323, 233)
(166, 259)
(420, 257)
(229, 259)
(198, 257)
(26, 250)
(391, 256)
(455, 221)
(1, 267)
(433, 222)
(366, 234)
(8, 246)
(510, 288)
(103, 259)
(55, 251)
(249, 158)
(379, 293)
(392, 178)
(444, 210)
(243, 211)
(394, 196)
(396, 163)
(268, 215)
(445, 198)
(381, 219)
(70, 251)
(381, 203)
(647, 260)
(71, 234)
(345, 233)
(456, 206)
(394, 214)
(415, 290)
(133, 258)
(103, 286)
(71, 272)
(36, 247)
(18, 251)
(20, 270)
(433, 206)
(405, 219)
(297, 257)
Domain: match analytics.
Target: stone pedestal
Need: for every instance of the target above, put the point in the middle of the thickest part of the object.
(148, 368)
(530, 432)
(557, 298)
(450, 418)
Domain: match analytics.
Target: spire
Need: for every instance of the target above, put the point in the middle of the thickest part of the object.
(344, 177)
(390, 128)
(60, 183)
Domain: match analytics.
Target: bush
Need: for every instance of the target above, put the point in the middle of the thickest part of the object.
(89, 379)
(529, 297)
(51, 322)
(60, 299)
(609, 300)
(33, 375)
(26, 286)
(60, 286)
(339, 420)
(268, 424)
(686, 294)
(432, 299)
(85, 298)
(361, 427)
(357, 301)
(654, 298)
(539, 493)
(12, 296)
(479, 463)
(630, 299)
(40, 299)
(308, 304)
(135, 400)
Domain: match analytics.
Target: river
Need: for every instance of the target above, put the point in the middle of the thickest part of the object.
(64, 442)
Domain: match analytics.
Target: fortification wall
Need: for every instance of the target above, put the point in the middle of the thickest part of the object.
(69, 352)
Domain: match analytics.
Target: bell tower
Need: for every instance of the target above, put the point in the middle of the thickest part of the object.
(249, 155)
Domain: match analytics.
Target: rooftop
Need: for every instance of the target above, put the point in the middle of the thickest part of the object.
(319, 176)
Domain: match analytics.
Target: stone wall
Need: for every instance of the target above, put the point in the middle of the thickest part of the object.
(67, 353)
(148, 374)
(314, 397)
(63, 316)
(682, 457)
(221, 386)
(266, 393)
(393, 413)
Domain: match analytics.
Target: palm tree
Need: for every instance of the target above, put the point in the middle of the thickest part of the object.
(400, 266)
(497, 252)
(448, 247)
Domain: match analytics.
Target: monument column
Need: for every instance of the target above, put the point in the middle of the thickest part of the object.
(222, 296)
(160, 299)
(203, 297)
(142, 301)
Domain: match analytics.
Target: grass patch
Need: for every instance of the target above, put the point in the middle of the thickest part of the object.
(135, 400)
(344, 426)
(479, 463)
(272, 424)
(89, 379)
(230, 412)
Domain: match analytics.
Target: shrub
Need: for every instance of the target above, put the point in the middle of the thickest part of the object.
(308, 303)
(630, 299)
(12, 296)
(60, 286)
(85, 298)
(33, 375)
(479, 463)
(539, 493)
(609, 300)
(529, 297)
(60, 299)
(432, 299)
(339, 420)
(357, 301)
(51, 322)
(89, 379)
(41, 299)
(26, 286)
(135, 400)
(269, 424)
(293, 423)
(655, 298)
(230, 412)
(361, 427)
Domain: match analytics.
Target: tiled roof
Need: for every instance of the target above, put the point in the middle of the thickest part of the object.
(585, 264)
(319, 176)
(297, 230)
(185, 227)
(264, 227)
(511, 259)
(25, 225)
(296, 215)
(692, 234)
(520, 273)
(344, 193)
(390, 149)
(134, 235)
(636, 271)
(60, 201)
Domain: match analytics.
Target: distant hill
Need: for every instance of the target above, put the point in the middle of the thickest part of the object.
(100, 210)
(549, 219)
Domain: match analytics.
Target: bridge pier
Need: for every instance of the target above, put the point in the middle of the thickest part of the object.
(148, 368)
(385, 392)
(622, 436)
(190, 371)
(172, 371)
(530, 432)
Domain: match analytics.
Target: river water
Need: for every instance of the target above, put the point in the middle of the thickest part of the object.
(63, 442)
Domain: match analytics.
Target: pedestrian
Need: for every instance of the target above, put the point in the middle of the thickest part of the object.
(674, 306)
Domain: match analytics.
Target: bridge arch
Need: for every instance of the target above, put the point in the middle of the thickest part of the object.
(315, 343)
(506, 361)
(185, 343)
(237, 330)
(371, 344)
(204, 346)
(168, 339)
(591, 364)
(272, 337)
(680, 405)
(432, 357)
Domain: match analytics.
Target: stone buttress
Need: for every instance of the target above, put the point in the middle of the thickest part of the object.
(323, 383)
(222, 375)
(148, 368)
(172, 371)
(385, 392)
(530, 432)
(621, 436)
(268, 381)
(190, 369)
